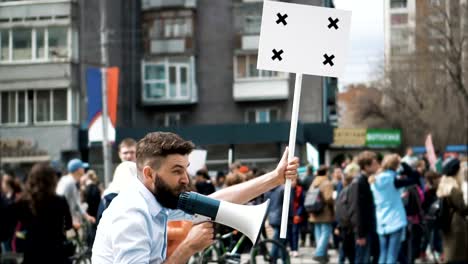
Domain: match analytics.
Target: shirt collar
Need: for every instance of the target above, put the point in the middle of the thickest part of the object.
(154, 206)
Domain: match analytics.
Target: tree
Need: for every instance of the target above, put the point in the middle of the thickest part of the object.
(425, 91)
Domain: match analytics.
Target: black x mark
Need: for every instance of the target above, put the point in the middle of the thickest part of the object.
(328, 59)
(333, 23)
(277, 55)
(281, 19)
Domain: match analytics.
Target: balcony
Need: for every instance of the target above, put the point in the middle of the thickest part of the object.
(170, 46)
(259, 89)
(158, 4)
(29, 12)
(249, 42)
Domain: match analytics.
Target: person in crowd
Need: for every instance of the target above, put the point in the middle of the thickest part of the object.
(410, 158)
(389, 209)
(413, 197)
(298, 217)
(67, 187)
(275, 210)
(454, 212)
(122, 178)
(343, 228)
(11, 188)
(362, 207)
(44, 216)
(324, 219)
(133, 226)
(92, 198)
(11, 191)
(203, 184)
(337, 180)
(127, 150)
(432, 235)
(307, 228)
(220, 180)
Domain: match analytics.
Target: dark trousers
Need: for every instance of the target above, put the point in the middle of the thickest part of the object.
(294, 236)
(346, 246)
(363, 252)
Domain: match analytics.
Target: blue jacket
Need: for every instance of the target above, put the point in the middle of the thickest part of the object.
(276, 206)
(389, 210)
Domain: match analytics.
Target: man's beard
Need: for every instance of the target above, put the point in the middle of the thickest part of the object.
(167, 196)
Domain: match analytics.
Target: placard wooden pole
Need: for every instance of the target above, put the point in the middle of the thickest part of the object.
(292, 144)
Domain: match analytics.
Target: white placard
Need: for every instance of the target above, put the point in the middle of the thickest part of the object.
(197, 159)
(303, 39)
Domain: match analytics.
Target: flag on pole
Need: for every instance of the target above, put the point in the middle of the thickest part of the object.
(94, 89)
(431, 156)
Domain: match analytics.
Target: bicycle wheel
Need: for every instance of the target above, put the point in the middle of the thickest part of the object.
(209, 255)
(269, 251)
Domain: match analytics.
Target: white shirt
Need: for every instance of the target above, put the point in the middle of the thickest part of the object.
(67, 188)
(133, 228)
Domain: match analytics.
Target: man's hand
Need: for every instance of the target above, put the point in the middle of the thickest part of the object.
(200, 237)
(90, 219)
(286, 170)
(361, 241)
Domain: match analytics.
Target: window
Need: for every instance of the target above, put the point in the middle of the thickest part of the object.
(40, 43)
(246, 67)
(58, 42)
(4, 45)
(174, 27)
(167, 119)
(50, 43)
(252, 24)
(166, 81)
(399, 19)
(22, 44)
(398, 3)
(13, 107)
(51, 105)
(266, 115)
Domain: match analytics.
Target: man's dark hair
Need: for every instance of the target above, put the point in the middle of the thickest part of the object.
(127, 142)
(365, 158)
(158, 145)
(203, 173)
(322, 170)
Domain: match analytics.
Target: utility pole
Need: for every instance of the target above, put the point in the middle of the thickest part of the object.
(106, 154)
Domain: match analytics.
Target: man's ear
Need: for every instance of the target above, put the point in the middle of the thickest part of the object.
(147, 172)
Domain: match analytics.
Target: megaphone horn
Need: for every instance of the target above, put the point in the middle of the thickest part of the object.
(248, 219)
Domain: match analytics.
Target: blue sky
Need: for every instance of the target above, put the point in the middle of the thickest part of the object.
(366, 49)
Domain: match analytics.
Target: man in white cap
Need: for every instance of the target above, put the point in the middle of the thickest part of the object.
(67, 187)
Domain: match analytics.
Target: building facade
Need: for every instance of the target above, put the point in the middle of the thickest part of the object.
(187, 66)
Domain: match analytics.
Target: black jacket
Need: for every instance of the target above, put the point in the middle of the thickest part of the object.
(362, 207)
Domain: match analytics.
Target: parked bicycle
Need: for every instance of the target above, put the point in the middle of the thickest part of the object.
(225, 250)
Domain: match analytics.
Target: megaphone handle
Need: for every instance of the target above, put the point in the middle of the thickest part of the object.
(291, 147)
(200, 219)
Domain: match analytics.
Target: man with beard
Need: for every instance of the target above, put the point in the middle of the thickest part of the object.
(133, 228)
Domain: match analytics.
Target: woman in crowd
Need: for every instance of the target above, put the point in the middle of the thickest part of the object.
(389, 209)
(454, 212)
(44, 216)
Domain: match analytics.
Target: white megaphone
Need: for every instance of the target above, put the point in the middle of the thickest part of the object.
(247, 219)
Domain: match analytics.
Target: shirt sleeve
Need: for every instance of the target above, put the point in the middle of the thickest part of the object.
(179, 215)
(131, 244)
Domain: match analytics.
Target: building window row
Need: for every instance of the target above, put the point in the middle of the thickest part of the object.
(37, 107)
(262, 115)
(398, 3)
(35, 44)
(175, 27)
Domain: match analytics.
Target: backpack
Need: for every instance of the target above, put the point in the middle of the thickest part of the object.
(342, 208)
(313, 202)
(438, 215)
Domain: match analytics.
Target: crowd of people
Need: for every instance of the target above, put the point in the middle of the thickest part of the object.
(371, 209)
